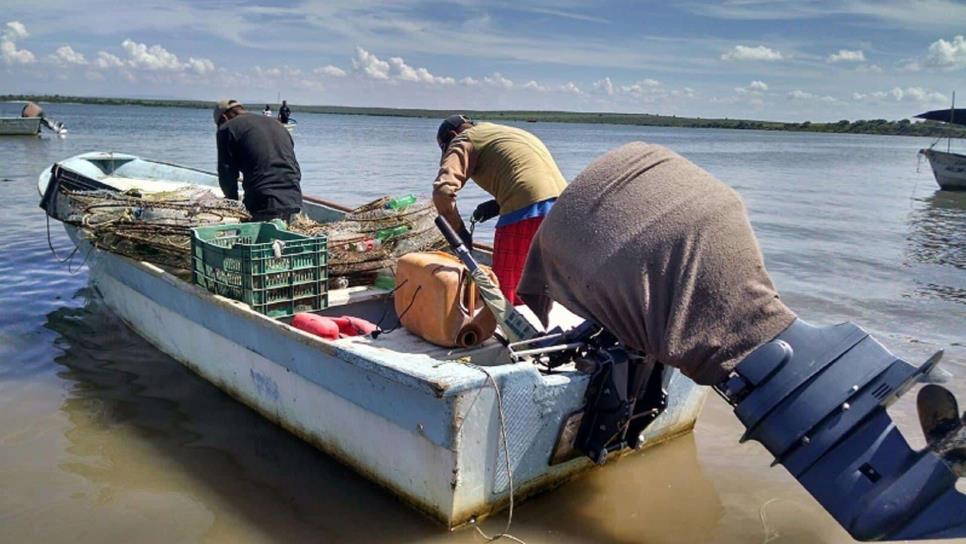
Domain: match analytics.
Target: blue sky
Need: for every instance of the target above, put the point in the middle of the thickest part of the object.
(784, 60)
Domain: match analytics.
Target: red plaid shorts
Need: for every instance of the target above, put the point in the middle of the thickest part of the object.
(511, 243)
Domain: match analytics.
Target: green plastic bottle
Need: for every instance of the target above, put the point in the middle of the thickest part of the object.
(388, 234)
(401, 203)
(385, 282)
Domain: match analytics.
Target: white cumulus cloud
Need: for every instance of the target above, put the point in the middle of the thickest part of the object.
(534, 86)
(643, 87)
(947, 54)
(106, 60)
(65, 54)
(744, 52)
(605, 86)
(845, 55)
(329, 70)
(11, 55)
(908, 94)
(756, 88)
(13, 31)
(370, 65)
(799, 94)
(393, 69)
(405, 72)
(497, 80)
(154, 57)
(571, 88)
(200, 66)
(275, 72)
(646, 90)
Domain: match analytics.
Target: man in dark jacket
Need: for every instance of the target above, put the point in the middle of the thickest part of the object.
(263, 151)
(284, 113)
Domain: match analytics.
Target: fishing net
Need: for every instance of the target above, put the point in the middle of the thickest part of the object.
(156, 227)
(370, 238)
(153, 227)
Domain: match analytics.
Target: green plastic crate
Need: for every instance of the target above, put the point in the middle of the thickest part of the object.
(238, 261)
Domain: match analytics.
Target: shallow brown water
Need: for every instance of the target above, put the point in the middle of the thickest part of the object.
(104, 439)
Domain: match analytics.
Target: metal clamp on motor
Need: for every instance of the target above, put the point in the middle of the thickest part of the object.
(816, 398)
(626, 392)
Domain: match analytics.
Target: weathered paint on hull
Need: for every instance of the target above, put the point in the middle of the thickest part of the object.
(948, 168)
(435, 444)
(19, 126)
(412, 418)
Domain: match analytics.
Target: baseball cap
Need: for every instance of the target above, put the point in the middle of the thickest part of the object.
(453, 122)
(223, 106)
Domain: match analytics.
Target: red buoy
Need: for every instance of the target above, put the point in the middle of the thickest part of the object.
(323, 327)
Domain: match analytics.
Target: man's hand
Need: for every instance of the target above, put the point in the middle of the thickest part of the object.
(485, 211)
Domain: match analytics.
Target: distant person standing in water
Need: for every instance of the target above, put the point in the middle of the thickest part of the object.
(263, 151)
(284, 113)
(512, 165)
(267, 112)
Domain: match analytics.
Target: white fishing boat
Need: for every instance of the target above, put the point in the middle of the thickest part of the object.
(20, 126)
(949, 168)
(420, 420)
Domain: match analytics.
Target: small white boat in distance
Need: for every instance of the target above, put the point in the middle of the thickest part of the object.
(422, 421)
(20, 126)
(949, 168)
(29, 123)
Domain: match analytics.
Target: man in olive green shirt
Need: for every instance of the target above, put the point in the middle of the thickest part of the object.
(512, 165)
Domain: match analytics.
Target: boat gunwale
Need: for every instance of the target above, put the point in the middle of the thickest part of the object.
(458, 378)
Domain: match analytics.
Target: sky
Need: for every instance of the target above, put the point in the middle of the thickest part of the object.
(789, 60)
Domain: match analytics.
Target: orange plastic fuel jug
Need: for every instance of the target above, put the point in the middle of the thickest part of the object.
(437, 300)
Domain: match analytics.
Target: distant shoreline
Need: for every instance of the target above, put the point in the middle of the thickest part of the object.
(874, 126)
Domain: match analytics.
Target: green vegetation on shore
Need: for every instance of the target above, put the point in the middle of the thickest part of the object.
(875, 126)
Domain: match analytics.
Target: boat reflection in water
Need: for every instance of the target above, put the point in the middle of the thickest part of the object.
(937, 244)
(152, 440)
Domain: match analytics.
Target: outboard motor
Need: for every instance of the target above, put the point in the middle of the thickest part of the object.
(670, 266)
(31, 109)
(816, 398)
(55, 126)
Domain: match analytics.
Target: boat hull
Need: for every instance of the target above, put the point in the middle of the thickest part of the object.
(19, 126)
(435, 445)
(414, 418)
(948, 168)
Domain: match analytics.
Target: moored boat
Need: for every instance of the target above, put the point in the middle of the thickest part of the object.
(20, 126)
(423, 421)
(949, 168)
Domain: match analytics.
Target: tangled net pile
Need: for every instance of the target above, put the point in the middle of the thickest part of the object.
(154, 227)
(352, 253)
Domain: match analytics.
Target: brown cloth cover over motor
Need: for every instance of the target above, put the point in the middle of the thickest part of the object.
(437, 300)
(661, 254)
(31, 110)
